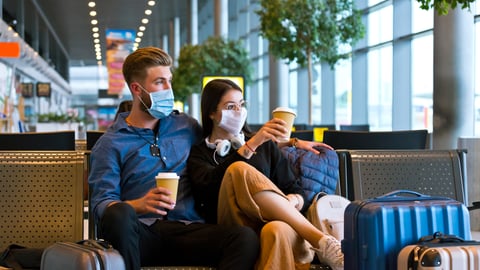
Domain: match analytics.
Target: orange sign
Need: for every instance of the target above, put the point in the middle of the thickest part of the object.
(10, 49)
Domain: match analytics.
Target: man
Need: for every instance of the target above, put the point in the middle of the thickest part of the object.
(139, 219)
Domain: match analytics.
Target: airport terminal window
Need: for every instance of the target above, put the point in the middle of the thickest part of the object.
(477, 77)
(422, 82)
(374, 2)
(343, 92)
(380, 88)
(380, 26)
(317, 94)
(421, 19)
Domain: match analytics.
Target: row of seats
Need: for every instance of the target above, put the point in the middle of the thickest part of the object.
(354, 127)
(344, 139)
(40, 190)
(338, 139)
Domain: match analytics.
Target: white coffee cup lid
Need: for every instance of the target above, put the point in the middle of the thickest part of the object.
(167, 175)
(284, 109)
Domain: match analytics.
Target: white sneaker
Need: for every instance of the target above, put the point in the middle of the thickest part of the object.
(330, 252)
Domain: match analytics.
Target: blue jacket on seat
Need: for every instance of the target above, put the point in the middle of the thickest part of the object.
(319, 173)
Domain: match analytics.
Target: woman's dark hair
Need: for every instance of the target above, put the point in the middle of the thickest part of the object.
(211, 96)
(124, 106)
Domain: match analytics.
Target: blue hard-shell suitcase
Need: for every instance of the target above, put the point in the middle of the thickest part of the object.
(377, 229)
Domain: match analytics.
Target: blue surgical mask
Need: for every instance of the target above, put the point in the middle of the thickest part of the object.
(161, 103)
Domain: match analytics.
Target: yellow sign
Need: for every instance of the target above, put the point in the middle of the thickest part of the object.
(239, 80)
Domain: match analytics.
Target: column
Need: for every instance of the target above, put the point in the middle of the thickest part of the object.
(453, 74)
(221, 18)
(165, 44)
(194, 99)
(278, 78)
(193, 22)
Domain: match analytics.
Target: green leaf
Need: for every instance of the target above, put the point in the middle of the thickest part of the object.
(444, 6)
(216, 56)
(295, 28)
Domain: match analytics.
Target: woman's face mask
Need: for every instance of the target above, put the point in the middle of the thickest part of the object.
(233, 120)
(162, 103)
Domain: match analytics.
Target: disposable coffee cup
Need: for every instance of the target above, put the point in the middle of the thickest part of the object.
(168, 180)
(287, 115)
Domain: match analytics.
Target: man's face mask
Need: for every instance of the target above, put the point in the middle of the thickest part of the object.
(161, 103)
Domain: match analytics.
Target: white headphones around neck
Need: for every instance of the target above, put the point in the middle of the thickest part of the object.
(222, 147)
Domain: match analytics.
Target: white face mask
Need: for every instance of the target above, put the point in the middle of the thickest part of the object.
(232, 120)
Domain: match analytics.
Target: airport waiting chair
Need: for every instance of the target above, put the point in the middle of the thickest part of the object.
(361, 127)
(40, 197)
(255, 127)
(300, 126)
(54, 140)
(324, 126)
(318, 131)
(92, 137)
(306, 135)
(366, 174)
(403, 139)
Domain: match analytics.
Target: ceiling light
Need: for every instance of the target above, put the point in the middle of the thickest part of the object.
(95, 30)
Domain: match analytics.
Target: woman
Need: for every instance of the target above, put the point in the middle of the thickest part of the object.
(251, 183)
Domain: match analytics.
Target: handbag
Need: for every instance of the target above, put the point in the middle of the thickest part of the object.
(326, 213)
(19, 257)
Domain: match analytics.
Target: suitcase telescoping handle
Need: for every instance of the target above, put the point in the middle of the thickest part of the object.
(394, 196)
(100, 244)
(440, 238)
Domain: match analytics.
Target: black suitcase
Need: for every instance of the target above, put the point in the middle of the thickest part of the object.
(83, 255)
